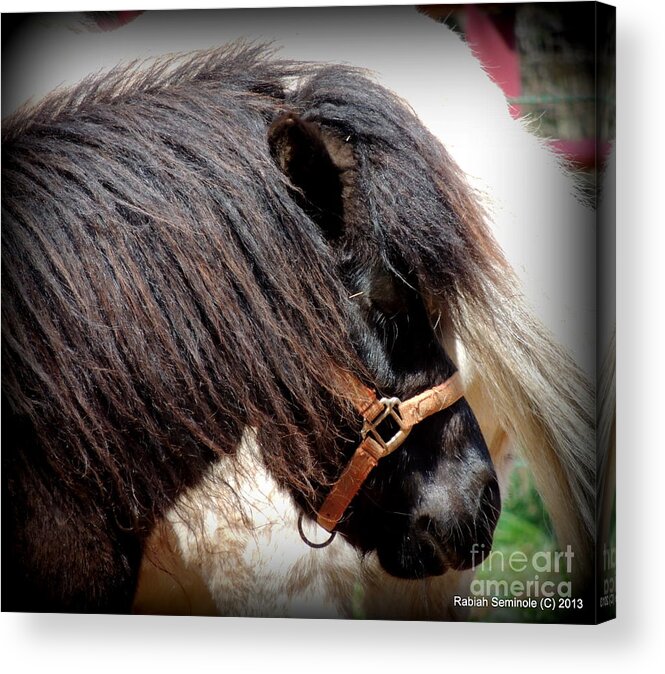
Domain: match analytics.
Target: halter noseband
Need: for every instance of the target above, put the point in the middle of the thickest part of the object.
(375, 411)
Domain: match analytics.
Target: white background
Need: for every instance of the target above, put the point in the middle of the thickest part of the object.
(634, 642)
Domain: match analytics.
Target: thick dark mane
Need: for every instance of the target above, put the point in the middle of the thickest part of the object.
(155, 277)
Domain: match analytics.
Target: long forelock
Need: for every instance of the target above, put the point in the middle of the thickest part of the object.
(412, 200)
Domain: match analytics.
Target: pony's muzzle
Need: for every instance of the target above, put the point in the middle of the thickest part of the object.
(463, 539)
(443, 535)
(462, 535)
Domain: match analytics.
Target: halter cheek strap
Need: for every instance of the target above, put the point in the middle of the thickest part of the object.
(405, 415)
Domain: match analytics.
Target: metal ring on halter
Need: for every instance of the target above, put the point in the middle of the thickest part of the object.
(310, 543)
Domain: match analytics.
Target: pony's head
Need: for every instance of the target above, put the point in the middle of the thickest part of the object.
(426, 506)
(203, 247)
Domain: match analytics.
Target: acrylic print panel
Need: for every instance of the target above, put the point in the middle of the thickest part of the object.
(210, 261)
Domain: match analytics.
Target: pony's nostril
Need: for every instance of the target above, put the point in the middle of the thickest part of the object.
(428, 533)
(461, 536)
(424, 523)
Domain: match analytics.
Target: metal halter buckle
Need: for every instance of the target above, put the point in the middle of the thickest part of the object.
(391, 409)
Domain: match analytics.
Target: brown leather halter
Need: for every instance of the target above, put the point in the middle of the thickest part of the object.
(374, 411)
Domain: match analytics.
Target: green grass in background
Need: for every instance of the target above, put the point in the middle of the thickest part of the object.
(524, 526)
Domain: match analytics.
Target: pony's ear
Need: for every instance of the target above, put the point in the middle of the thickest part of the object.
(314, 165)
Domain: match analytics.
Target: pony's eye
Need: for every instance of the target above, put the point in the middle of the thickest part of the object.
(390, 308)
(386, 295)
